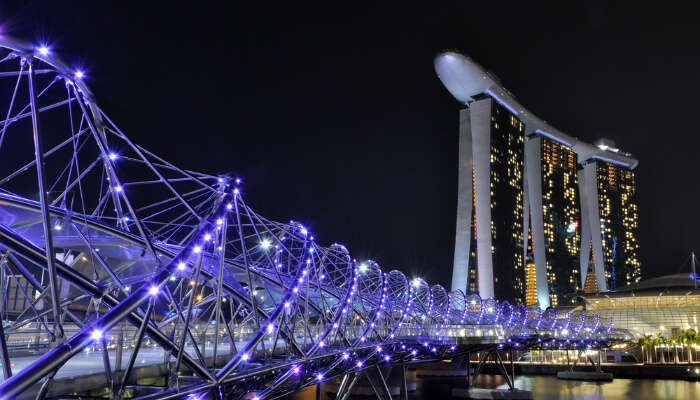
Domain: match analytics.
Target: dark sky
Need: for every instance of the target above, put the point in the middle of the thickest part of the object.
(333, 115)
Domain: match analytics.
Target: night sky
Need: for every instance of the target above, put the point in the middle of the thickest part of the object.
(333, 115)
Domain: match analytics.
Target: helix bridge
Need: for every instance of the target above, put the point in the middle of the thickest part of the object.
(118, 266)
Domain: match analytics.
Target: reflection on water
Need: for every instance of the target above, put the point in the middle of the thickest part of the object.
(549, 388)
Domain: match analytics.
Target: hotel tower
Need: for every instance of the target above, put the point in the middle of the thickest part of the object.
(535, 205)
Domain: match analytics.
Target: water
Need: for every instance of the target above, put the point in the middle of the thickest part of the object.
(549, 387)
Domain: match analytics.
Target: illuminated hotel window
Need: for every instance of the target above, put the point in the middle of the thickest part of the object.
(507, 163)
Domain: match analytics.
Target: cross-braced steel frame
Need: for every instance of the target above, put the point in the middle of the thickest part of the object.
(116, 265)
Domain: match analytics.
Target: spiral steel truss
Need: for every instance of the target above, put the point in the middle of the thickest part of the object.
(114, 261)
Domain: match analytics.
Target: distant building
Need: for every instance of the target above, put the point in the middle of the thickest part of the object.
(526, 188)
(664, 306)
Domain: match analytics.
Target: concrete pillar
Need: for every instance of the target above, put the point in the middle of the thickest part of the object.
(589, 192)
(460, 269)
(481, 150)
(533, 162)
(585, 252)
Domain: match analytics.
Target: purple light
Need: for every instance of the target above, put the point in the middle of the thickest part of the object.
(113, 156)
(229, 206)
(414, 352)
(96, 334)
(256, 397)
(207, 237)
(118, 188)
(346, 356)
(197, 249)
(181, 266)
(360, 364)
(387, 358)
(79, 74)
(153, 291)
(236, 191)
(296, 369)
(321, 343)
(245, 357)
(319, 376)
(238, 180)
(44, 50)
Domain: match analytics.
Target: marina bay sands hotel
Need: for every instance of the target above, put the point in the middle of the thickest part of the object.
(541, 214)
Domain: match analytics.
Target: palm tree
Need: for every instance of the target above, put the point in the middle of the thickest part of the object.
(646, 344)
(642, 344)
(689, 337)
(660, 341)
(674, 342)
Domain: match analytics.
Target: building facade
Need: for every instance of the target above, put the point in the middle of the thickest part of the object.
(490, 216)
(619, 223)
(528, 191)
(555, 206)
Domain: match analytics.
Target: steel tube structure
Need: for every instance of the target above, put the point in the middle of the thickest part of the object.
(143, 259)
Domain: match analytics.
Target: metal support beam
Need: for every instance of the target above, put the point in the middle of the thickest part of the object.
(4, 354)
(220, 288)
(46, 221)
(137, 346)
(351, 386)
(404, 384)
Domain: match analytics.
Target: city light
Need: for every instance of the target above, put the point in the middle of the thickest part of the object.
(44, 50)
